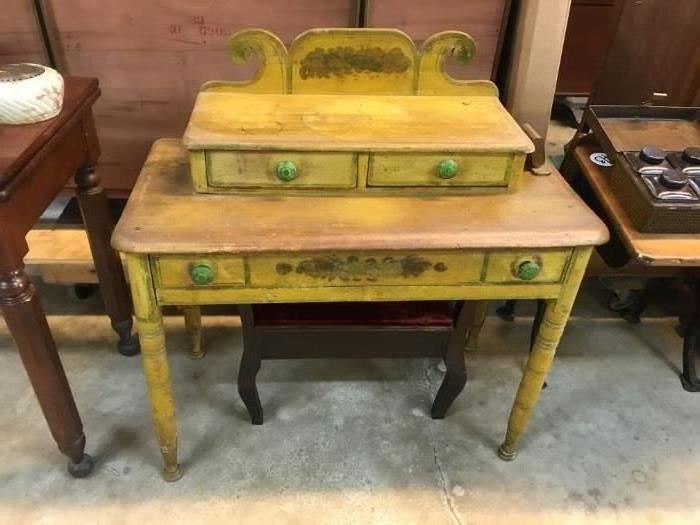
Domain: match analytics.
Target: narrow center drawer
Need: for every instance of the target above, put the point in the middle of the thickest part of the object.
(195, 271)
(440, 169)
(375, 269)
(260, 169)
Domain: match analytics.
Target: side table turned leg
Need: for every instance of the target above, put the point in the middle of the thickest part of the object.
(155, 363)
(193, 326)
(554, 318)
(94, 207)
(26, 321)
(691, 344)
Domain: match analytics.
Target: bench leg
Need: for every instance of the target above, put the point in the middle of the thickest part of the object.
(193, 326)
(456, 375)
(247, 388)
(689, 376)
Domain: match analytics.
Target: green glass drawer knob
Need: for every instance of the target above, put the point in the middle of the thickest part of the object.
(447, 169)
(286, 170)
(528, 270)
(202, 274)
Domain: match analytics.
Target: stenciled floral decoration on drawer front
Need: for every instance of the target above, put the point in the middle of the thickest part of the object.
(355, 268)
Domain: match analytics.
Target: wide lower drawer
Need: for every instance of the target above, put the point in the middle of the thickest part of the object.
(443, 169)
(347, 269)
(196, 271)
(540, 266)
(360, 269)
(253, 169)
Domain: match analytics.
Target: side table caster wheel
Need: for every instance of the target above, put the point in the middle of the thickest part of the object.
(82, 469)
(172, 475)
(505, 454)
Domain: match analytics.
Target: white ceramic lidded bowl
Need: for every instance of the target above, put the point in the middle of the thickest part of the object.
(29, 93)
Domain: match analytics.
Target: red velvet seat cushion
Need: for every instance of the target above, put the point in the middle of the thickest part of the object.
(413, 313)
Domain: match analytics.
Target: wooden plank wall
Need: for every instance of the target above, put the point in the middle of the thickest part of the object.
(420, 19)
(19, 36)
(152, 56)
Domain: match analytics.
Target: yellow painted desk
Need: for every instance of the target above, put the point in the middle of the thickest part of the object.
(184, 248)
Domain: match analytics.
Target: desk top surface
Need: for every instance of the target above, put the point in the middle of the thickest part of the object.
(353, 122)
(20, 143)
(659, 249)
(164, 215)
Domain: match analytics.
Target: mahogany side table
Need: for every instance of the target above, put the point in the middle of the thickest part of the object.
(36, 161)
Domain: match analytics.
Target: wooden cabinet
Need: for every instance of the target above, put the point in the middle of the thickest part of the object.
(588, 36)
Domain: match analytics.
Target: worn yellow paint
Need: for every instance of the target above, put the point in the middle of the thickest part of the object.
(379, 123)
(502, 267)
(432, 77)
(360, 293)
(377, 64)
(243, 136)
(243, 169)
(164, 216)
(539, 363)
(476, 238)
(149, 324)
(193, 326)
(174, 271)
(198, 171)
(421, 169)
(272, 75)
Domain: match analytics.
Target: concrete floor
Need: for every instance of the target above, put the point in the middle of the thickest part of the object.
(613, 440)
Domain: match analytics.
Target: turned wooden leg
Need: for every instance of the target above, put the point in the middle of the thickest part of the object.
(554, 320)
(94, 207)
(456, 373)
(193, 325)
(26, 321)
(689, 376)
(476, 324)
(537, 322)
(155, 363)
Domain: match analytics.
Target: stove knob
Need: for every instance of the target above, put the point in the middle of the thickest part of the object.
(652, 155)
(691, 155)
(673, 179)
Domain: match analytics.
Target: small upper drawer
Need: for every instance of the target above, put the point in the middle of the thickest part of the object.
(195, 271)
(261, 169)
(442, 169)
(544, 266)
